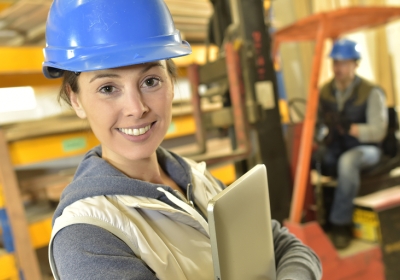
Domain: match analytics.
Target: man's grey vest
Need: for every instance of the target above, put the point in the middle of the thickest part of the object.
(354, 110)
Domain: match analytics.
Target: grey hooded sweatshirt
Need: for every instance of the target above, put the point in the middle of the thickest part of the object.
(83, 251)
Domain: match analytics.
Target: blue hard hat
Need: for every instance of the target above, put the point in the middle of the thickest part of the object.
(345, 49)
(87, 35)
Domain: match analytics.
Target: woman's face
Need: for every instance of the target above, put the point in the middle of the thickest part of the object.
(128, 108)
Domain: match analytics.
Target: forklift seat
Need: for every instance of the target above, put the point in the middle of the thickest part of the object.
(390, 147)
(378, 177)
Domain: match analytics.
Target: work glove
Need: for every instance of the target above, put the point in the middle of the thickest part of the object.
(343, 125)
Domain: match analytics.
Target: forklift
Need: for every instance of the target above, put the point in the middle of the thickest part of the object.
(243, 76)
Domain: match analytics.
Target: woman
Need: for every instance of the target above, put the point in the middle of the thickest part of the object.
(134, 210)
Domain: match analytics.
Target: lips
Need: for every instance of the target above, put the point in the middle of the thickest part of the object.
(135, 131)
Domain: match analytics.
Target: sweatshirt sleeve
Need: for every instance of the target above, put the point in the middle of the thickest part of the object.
(84, 251)
(294, 260)
(377, 118)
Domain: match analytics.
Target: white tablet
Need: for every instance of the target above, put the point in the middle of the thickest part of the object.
(240, 229)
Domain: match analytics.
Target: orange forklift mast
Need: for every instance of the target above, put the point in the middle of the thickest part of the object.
(319, 27)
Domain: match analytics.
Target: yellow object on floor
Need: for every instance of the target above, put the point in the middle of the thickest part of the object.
(8, 270)
(366, 225)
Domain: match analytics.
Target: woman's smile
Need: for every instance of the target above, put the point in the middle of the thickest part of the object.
(136, 131)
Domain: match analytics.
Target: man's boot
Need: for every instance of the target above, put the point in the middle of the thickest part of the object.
(341, 235)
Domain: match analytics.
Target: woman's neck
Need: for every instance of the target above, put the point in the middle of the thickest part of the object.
(146, 169)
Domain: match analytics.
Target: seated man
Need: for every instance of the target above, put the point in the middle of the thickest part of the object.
(353, 113)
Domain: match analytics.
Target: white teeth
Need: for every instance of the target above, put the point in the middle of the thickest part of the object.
(135, 131)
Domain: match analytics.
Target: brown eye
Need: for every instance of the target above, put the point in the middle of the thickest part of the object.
(151, 82)
(107, 89)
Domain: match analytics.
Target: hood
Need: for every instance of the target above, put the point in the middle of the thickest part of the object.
(95, 177)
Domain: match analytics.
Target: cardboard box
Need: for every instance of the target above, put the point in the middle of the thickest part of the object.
(366, 224)
(377, 219)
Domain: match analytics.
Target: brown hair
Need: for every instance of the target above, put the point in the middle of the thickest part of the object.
(70, 79)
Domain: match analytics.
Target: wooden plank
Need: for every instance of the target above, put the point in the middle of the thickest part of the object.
(29, 149)
(51, 147)
(26, 257)
(21, 59)
(198, 56)
(52, 125)
(22, 66)
(189, 8)
(201, 22)
(33, 79)
(33, 18)
(191, 5)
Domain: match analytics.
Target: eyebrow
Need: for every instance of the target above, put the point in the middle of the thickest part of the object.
(151, 65)
(111, 75)
(105, 75)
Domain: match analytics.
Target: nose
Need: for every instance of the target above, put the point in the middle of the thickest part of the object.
(134, 105)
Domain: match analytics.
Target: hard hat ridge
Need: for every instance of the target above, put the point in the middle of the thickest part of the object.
(88, 35)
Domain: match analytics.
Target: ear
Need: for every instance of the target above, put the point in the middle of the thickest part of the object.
(76, 103)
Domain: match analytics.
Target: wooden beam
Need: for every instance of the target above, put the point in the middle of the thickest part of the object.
(26, 257)
(21, 60)
(33, 79)
(198, 56)
(23, 65)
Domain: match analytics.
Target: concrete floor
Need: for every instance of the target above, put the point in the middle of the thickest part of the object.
(355, 247)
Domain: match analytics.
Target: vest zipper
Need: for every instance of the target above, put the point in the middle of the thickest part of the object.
(189, 194)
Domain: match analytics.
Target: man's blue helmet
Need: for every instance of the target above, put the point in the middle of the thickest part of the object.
(345, 49)
(88, 35)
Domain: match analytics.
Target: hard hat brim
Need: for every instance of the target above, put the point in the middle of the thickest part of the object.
(102, 58)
